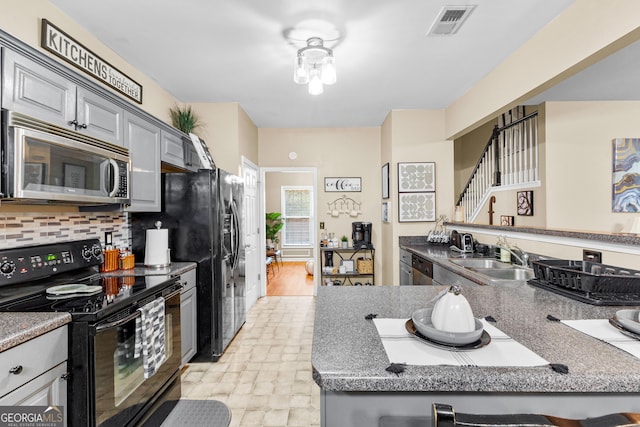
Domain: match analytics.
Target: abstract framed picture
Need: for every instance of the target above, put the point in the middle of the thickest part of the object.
(416, 207)
(626, 175)
(385, 181)
(416, 177)
(386, 213)
(506, 220)
(525, 203)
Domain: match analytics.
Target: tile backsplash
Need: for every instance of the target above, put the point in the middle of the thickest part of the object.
(39, 228)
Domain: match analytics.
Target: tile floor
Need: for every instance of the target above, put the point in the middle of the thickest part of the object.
(264, 376)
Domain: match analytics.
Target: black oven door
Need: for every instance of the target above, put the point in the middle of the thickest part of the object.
(121, 389)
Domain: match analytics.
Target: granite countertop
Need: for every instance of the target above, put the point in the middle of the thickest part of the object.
(17, 328)
(348, 354)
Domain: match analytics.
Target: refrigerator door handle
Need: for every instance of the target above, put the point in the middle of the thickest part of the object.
(235, 236)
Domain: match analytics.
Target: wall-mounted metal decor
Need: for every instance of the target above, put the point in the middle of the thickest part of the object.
(56, 41)
(626, 178)
(525, 203)
(385, 181)
(416, 177)
(415, 207)
(334, 184)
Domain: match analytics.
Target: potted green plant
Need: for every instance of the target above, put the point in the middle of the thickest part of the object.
(273, 225)
(345, 242)
(184, 118)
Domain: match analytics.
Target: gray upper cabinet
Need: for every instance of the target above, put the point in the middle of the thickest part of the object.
(37, 91)
(142, 138)
(172, 149)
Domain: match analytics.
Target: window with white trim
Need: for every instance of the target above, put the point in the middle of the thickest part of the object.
(297, 210)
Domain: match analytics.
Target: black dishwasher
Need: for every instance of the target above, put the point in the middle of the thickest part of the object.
(422, 271)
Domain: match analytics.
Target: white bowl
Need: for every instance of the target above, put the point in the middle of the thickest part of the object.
(422, 321)
(629, 320)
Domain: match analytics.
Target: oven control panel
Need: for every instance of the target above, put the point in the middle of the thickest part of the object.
(35, 262)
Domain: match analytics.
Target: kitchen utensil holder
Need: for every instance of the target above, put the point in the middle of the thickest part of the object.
(110, 263)
(127, 262)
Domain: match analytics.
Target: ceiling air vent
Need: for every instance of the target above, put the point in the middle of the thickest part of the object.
(449, 20)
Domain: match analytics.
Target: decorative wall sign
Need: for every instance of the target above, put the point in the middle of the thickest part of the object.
(385, 181)
(525, 203)
(416, 177)
(415, 207)
(626, 175)
(506, 220)
(65, 47)
(342, 184)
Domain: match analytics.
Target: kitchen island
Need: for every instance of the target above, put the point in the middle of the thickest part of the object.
(349, 362)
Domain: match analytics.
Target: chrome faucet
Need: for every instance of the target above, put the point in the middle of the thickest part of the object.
(522, 259)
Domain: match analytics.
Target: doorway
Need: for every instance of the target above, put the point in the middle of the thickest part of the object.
(286, 274)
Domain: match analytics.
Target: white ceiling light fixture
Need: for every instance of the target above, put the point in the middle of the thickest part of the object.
(315, 65)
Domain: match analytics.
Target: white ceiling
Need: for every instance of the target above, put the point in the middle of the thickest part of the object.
(234, 51)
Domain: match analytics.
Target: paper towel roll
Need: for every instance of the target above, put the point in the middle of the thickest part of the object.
(157, 248)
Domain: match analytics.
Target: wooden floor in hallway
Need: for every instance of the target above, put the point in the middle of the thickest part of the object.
(289, 279)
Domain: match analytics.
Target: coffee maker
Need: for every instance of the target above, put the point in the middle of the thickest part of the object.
(361, 235)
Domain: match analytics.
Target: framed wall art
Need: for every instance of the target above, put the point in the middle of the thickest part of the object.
(506, 220)
(416, 207)
(386, 213)
(626, 178)
(525, 203)
(416, 177)
(350, 184)
(385, 181)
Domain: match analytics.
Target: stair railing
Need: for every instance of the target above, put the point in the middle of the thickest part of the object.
(510, 158)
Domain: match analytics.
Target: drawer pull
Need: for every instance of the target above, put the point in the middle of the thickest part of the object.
(16, 370)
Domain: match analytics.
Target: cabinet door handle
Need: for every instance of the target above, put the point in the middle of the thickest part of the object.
(66, 376)
(16, 370)
(83, 126)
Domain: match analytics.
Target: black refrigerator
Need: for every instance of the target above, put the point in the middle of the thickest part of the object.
(203, 213)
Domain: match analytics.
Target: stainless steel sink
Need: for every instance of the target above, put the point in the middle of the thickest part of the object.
(481, 263)
(515, 273)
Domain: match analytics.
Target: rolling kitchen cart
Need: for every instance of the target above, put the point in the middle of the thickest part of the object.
(357, 262)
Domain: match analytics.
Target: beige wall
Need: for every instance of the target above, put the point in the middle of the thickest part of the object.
(416, 136)
(335, 152)
(587, 31)
(578, 159)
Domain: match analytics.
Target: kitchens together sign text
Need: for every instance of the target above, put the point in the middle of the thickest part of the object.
(60, 44)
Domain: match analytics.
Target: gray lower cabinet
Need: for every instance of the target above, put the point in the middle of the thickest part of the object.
(172, 149)
(142, 138)
(188, 315)
(31, 88)
(35, 372)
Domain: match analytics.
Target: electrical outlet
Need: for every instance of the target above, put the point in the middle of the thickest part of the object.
(108, 238)
(321, 225)
(593, 256)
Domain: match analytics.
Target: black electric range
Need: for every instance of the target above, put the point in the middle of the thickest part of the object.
(106, 381)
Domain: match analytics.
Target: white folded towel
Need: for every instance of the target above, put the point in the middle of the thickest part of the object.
(152, 336)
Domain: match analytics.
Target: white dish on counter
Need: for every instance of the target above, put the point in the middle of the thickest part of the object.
(629, 320)
(422, 321)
